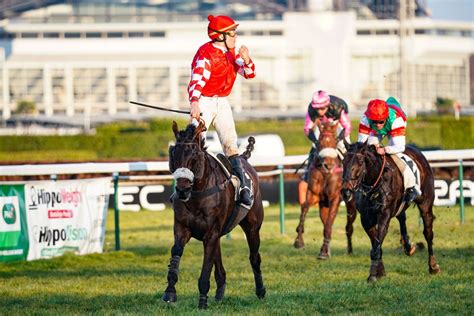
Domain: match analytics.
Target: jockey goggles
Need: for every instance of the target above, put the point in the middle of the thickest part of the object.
(379, 122)
(231, 32)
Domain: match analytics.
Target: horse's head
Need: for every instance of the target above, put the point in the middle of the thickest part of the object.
(355, 166)
(187, 158)
(327, 143)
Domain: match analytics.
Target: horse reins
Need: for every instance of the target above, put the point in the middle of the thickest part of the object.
(380, 174)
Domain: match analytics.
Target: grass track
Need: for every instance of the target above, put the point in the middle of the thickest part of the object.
(131, 281)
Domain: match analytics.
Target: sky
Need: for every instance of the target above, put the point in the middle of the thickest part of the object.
(458, 10)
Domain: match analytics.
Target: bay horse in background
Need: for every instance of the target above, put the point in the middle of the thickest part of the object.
(324, 185)
(204, 205)
(376, 185)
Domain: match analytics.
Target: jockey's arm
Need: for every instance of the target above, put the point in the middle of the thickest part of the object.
(345, 123)
(397, 141)
(365, 132)
(308, 128)
(200, 74)
(246, 70)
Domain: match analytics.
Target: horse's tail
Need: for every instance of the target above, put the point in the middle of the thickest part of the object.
(247, 153)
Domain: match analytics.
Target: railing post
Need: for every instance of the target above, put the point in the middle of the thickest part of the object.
(461, 192)
(116, 211)
(282, 199)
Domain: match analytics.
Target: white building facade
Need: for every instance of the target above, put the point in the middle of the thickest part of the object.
(96, 68)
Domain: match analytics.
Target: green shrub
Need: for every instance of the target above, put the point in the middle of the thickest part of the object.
(25, 107)
(150, 140)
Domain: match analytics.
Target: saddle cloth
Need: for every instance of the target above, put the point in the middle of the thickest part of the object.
(239, 212)
(404, 161)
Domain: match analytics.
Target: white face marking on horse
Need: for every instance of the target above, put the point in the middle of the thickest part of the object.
(183, 173)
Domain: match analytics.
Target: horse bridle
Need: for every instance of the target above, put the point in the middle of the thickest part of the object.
(206, 192)
(359, 186)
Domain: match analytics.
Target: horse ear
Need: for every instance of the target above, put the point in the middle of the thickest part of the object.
(175, 129)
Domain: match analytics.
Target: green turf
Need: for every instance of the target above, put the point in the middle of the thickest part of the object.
(131, 281)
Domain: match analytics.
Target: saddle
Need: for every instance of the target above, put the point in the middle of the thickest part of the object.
(239, 212)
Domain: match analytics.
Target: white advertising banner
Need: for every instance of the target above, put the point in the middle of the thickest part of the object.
(66, 216)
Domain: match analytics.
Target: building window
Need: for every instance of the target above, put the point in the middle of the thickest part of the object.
(157, 34)
(51, 35)
(90, 87)
(72, 35)
(114, 34)
(136, 34)
(29, 35)
(153, 84)
(363, 32)
(93, 34)
(26, 84)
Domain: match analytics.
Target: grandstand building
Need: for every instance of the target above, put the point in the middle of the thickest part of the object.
(76, 57)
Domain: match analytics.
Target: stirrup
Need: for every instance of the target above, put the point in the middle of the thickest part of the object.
(246, 204)
(411, 194)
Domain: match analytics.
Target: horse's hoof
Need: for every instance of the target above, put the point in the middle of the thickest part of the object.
(202, 302)
(435, 270)
(220, 293)
(372, 279)
(323, 256)
(411, 251)
(261, 292)
(349, 251)
(169, 297)
(298, 244)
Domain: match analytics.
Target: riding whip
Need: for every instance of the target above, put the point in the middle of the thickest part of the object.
(160, 108)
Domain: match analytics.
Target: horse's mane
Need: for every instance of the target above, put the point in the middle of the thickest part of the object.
(188, 135)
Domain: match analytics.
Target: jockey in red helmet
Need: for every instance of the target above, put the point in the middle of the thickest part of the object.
(213, 72)
(324, 106)
(386, 118)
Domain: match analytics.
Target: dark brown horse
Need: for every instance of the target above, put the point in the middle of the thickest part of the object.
(324, 185)
(376, 185)
(204, 206)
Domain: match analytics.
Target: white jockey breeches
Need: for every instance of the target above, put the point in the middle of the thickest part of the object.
(217, 111)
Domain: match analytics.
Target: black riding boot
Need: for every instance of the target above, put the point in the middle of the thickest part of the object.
(246, 197)
(312, 152)
(410, 194)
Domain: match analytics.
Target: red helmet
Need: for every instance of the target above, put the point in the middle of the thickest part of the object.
(377, 110)
(320, 99)
(218, 25)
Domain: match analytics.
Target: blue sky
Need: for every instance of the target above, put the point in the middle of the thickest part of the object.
(459, 10)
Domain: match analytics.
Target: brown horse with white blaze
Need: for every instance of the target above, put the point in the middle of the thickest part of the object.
(324, 185)
(205, 208)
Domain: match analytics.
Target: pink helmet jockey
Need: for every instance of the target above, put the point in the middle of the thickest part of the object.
(320, 99)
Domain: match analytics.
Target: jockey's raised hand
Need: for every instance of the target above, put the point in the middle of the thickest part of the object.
(244, 53)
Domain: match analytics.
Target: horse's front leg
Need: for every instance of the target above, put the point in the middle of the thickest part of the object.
(407, 246)
(219, 274)
(377, 269)
(328, 215)
(351, 216)
(211, 243)
(311, 199)
(181, 238)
